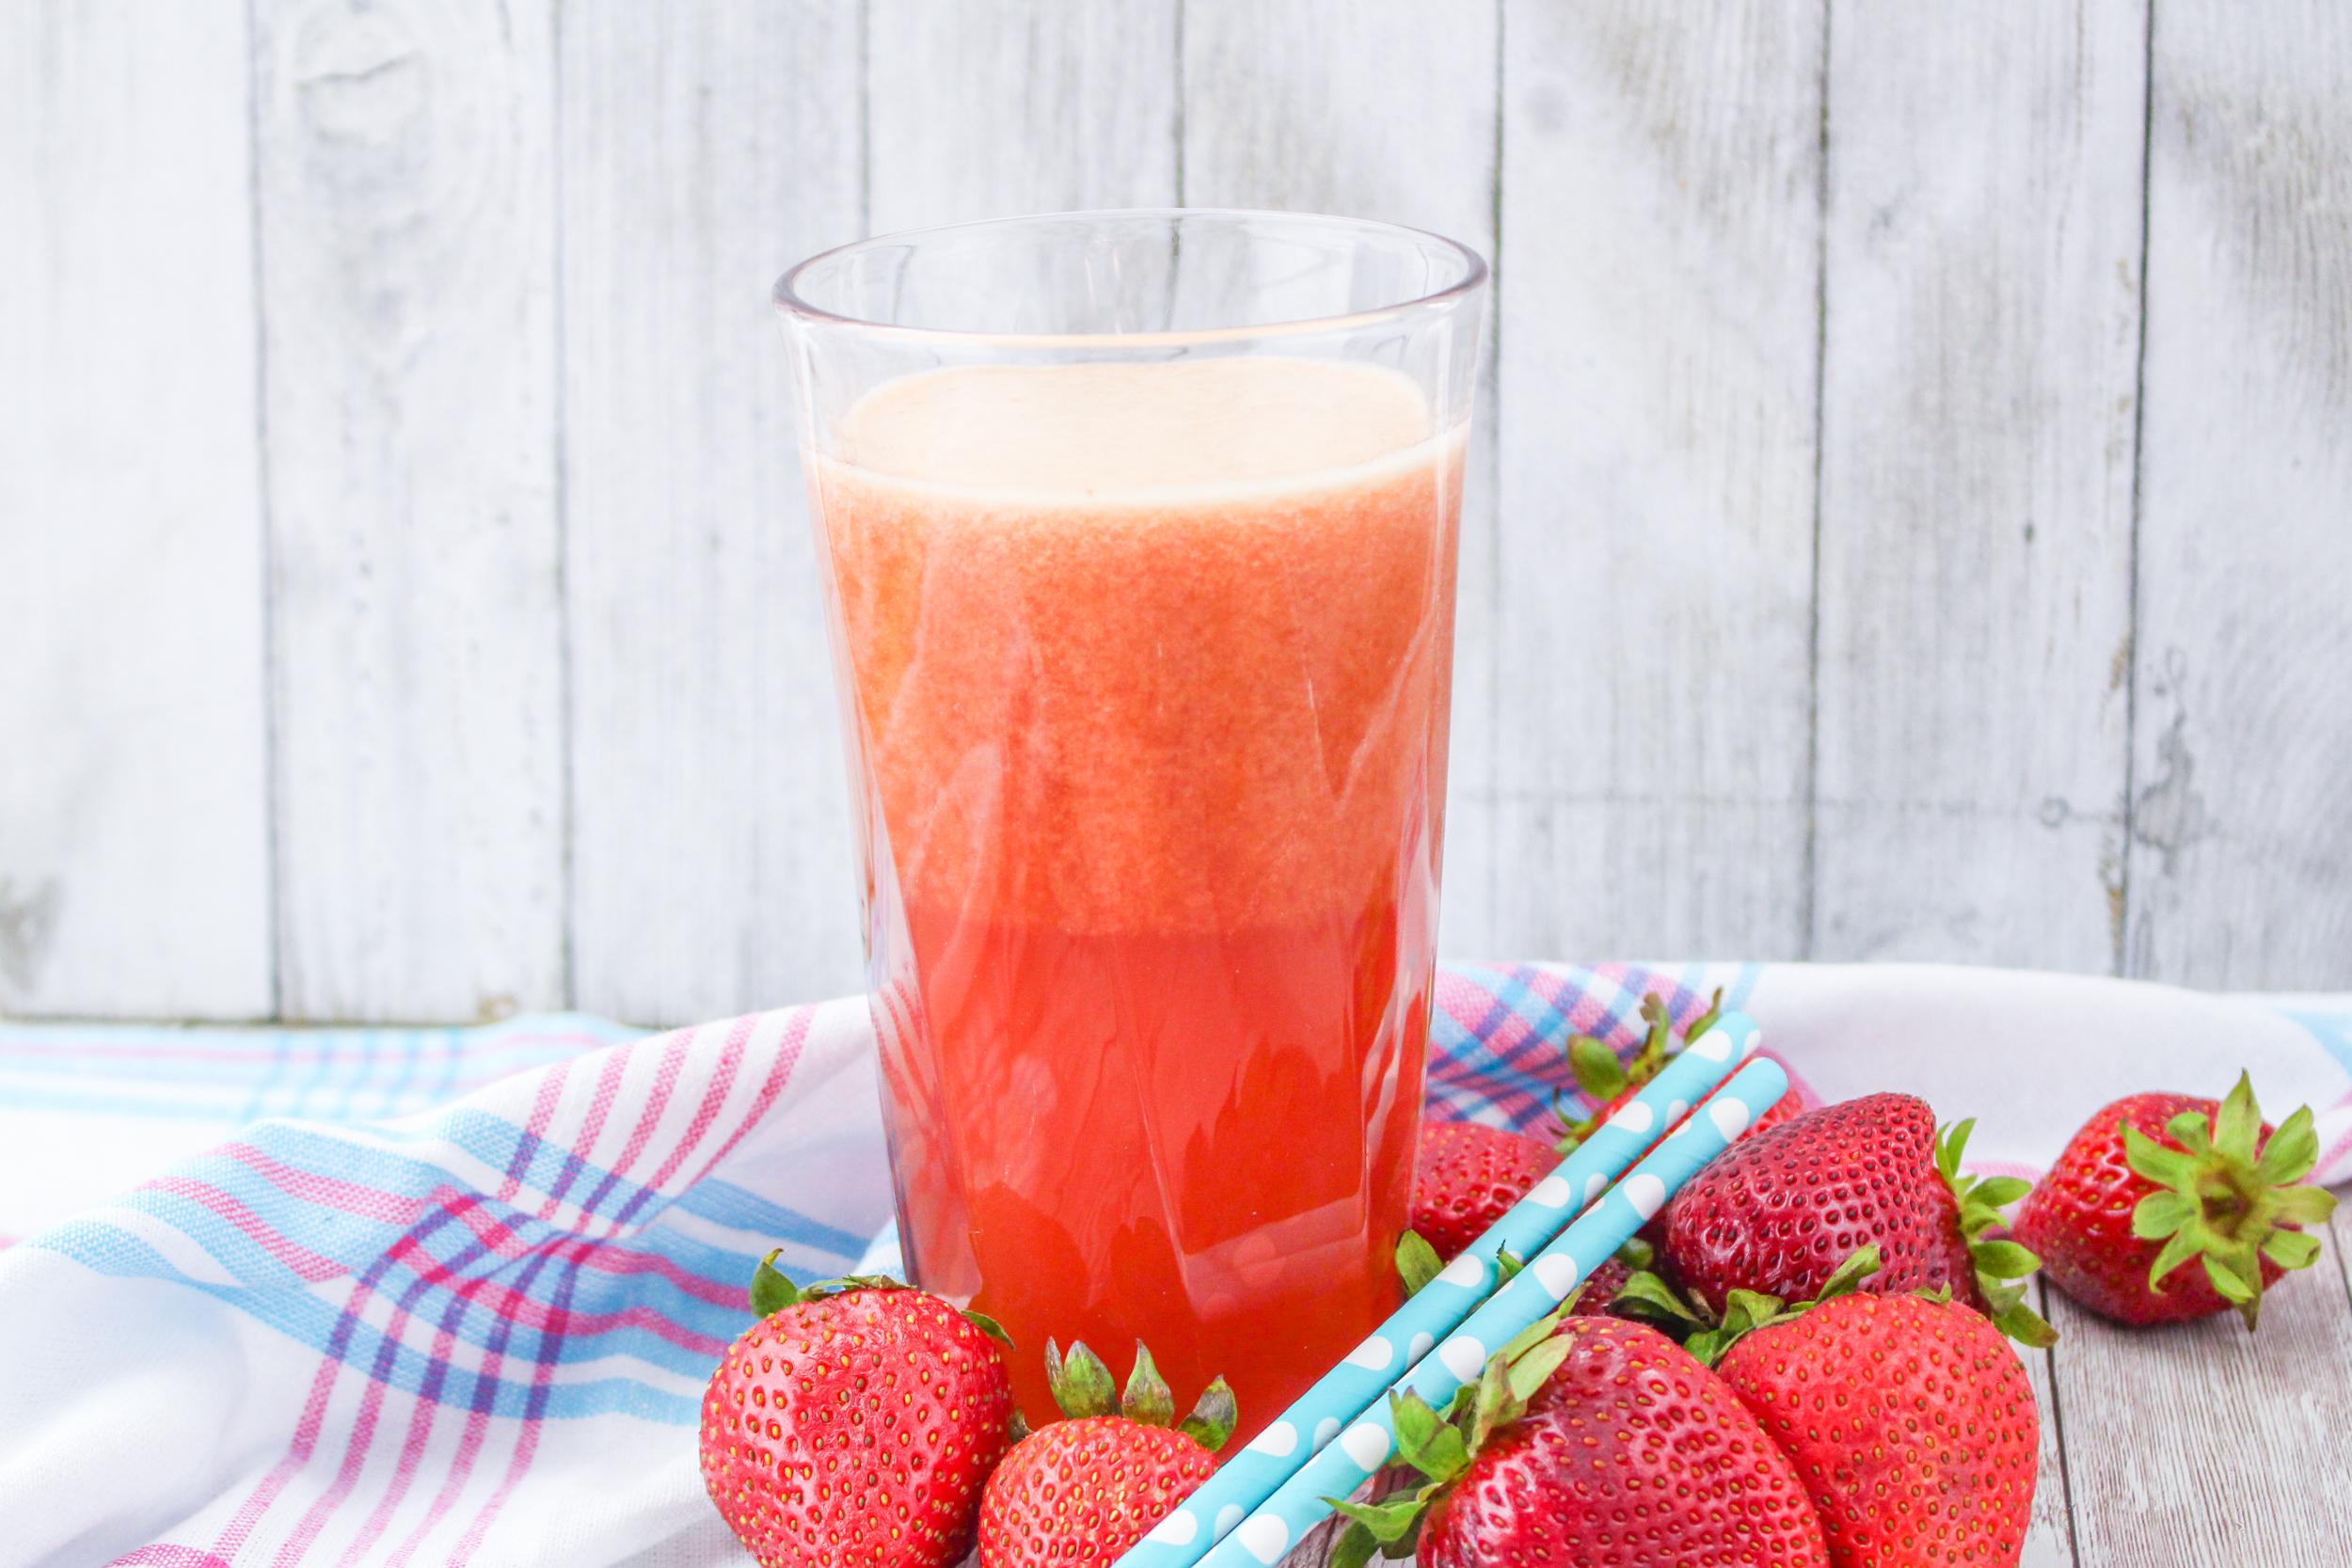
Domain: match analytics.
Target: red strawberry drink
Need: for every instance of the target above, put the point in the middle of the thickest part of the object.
(1140, 532)
(1149, 666)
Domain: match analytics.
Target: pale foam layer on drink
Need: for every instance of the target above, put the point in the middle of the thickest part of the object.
(1152, 648)
(1140, 432)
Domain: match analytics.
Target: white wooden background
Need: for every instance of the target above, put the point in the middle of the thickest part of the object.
(1915, 518)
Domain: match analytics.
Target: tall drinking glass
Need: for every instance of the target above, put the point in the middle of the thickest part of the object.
(1141, 535)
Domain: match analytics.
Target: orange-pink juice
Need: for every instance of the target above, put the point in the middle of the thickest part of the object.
(1149, 670)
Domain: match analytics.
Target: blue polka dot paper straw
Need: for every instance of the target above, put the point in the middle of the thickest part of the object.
(1262, 1538)
(1248, 1479)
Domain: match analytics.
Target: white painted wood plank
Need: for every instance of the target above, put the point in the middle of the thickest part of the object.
(1980, 381)
(2202, 1444)
(2049, 1535)
(2241, 864)
(1370, 108)
(1386, 111)
(405, 186)
(134, 809)
(1658, 343)
(992, 107)
(712, 863)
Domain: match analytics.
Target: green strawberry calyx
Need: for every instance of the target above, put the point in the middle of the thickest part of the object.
(1649, 1299)
(1418, 1263)
(772, 1290)
(1442, 1446)
(2002, 1266)
(2217, 1200)
(1082, 1387)
(1603, 1077)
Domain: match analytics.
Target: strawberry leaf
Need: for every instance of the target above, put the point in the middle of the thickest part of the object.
(1951, 1145)
(2233, 1286)
(1533, 1334)
(1506, 1267)
(1416, 1261)
(771, 1292)
(1429, 1444)
(2165, 1167)
(2161, 1213)
(1383, 1522)
(2292, 1249)
(1496, 1403)
(1447, 1456)
(1645, 1296)
(1417, 1427)
(1996, 1260)
(2292, 1151)
(2306, 1206)
(1213, 1417)
(1999, 1192)
(1860, 1264)
(1081, 1385)
(989, 1326)
(1356, 1544)
(1147, 1401)
(2004, 1259)
(2188, 1241)
(2192, 1132)
(1533, 1369)
(1596, 1069)
(2240, 1123)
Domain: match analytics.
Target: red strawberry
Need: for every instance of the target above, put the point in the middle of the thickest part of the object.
(1778, 1211)
(1084, 1490)
(1468, 1177)
(2155, 1181)
(1614, 1083)
(854, 1422)
(1910, 1423)
(1603, 1442)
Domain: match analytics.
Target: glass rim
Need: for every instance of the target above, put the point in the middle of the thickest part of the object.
(786, 297)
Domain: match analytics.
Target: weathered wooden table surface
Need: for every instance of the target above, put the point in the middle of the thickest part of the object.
(2199, 1445)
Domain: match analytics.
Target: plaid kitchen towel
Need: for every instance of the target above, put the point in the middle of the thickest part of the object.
(449, 1296)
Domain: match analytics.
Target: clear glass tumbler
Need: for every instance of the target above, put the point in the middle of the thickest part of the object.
(1141, 535)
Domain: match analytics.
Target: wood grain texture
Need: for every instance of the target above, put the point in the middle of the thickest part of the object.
(712, 872)
(406, 203)
(2201, 1444)
(1659, 330)
(1979, 389)
(1383, 111)
(2050, 1535)
(997, 108)
(2241, 863)
(133, 806)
